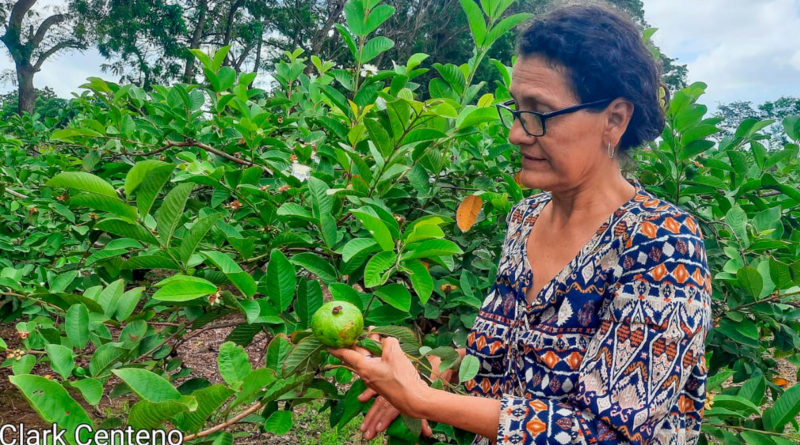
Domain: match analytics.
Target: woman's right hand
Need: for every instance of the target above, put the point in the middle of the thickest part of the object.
(382, 413)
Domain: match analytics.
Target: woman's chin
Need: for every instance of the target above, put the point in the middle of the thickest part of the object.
(532, 180)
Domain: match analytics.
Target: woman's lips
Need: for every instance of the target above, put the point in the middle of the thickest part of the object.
(531, 161)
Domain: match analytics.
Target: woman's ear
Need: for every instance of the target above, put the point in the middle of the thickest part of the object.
(618, 113)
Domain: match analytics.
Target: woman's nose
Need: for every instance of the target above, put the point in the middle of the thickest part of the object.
(518, 136)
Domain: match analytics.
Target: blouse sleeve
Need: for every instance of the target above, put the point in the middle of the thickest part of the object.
(649, 343)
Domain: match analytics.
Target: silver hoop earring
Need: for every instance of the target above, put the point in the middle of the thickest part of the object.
(611, 151)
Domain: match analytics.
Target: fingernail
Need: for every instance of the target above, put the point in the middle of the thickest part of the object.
(379, 426)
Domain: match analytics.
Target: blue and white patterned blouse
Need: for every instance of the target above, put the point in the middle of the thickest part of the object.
(612, 349)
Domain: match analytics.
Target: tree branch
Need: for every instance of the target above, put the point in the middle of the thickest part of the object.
(54, 49)
(21, 7)
(46, 24)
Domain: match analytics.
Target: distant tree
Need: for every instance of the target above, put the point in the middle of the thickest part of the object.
(735, 113)
(30, 44)
(48, 107)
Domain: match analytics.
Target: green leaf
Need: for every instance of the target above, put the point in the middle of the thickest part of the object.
(375, 47)
(505, 26)
(468, 369)
(91, 390)
(146, 415)
(477, 24)
(171, 210)
(76, 325)
(431, 248)
(376, 228)
(754, 389)
(358, 246)
(23, 365)
(181, 288)
(377, 16)
(225, 438)
(105, 356)
(745, 331)
(453, 76)
(309, 301)
(196, 234)
(126, 229)
(321, 202)
(344, 292)
(421, 279)
(472, 117)
(380, 137)
(351, 405)
(395, 295)
(3, 345)
(281, 280)
(83, 181)
(60, 282)
(148, 385)
(737, 219)
(294, 210)
(53, 404)
(304, 357)
(151, 185)
(376, 272)
(355, 16)
(278, 349)
(316, 265)
(109, 297)
(219, 58)
(750, 279)
(785, 408)
(61, 359)
(241, 279)
(137, 174)
(279, 422)
(127, 303)
(736, 403)
(253, 385)
(233, 364)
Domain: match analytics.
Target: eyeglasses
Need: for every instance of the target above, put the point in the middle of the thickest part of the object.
(533, 122)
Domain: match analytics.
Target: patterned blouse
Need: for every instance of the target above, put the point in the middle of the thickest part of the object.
(612, 349)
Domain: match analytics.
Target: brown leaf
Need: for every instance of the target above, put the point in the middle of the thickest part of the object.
(468, 211)
(518, 179)
(780, 381)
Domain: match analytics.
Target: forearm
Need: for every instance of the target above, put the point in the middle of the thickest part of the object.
(479, 415)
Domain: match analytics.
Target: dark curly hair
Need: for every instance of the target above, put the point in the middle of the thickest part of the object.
(603, 56)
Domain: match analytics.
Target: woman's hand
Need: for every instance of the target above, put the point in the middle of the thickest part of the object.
(392, 375)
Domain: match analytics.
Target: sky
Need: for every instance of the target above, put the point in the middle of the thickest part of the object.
(745, 50)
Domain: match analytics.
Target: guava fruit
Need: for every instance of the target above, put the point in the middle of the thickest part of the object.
(337, 324)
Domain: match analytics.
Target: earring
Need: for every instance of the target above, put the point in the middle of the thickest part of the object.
(611, 151)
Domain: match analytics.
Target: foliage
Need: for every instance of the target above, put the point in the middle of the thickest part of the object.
(156, 212)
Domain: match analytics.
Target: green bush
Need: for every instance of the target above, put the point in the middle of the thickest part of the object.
(156, 212)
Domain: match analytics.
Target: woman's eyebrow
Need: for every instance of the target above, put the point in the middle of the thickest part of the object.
(531, 98)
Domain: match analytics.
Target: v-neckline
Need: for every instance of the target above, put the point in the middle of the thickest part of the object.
(601, 230)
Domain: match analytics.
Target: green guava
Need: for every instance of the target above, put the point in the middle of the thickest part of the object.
(337, 324)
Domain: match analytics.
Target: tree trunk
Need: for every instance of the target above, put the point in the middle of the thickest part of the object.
(188, 74)
(27, 94)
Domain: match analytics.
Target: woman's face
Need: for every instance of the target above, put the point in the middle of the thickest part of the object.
(572, 151)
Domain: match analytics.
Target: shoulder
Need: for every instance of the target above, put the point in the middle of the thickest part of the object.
(658, 219)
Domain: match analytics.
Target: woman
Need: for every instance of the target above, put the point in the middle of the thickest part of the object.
(594, 329)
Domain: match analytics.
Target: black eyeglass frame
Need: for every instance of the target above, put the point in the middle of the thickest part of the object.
(542, 116)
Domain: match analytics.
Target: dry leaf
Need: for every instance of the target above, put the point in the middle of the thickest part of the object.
(518, 179)
(447, 287)
(780, 381)
(468, 211)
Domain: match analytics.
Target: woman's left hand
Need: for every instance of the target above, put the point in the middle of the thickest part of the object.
(391, 375)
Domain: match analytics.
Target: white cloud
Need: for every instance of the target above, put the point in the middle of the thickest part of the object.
(743, 49)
